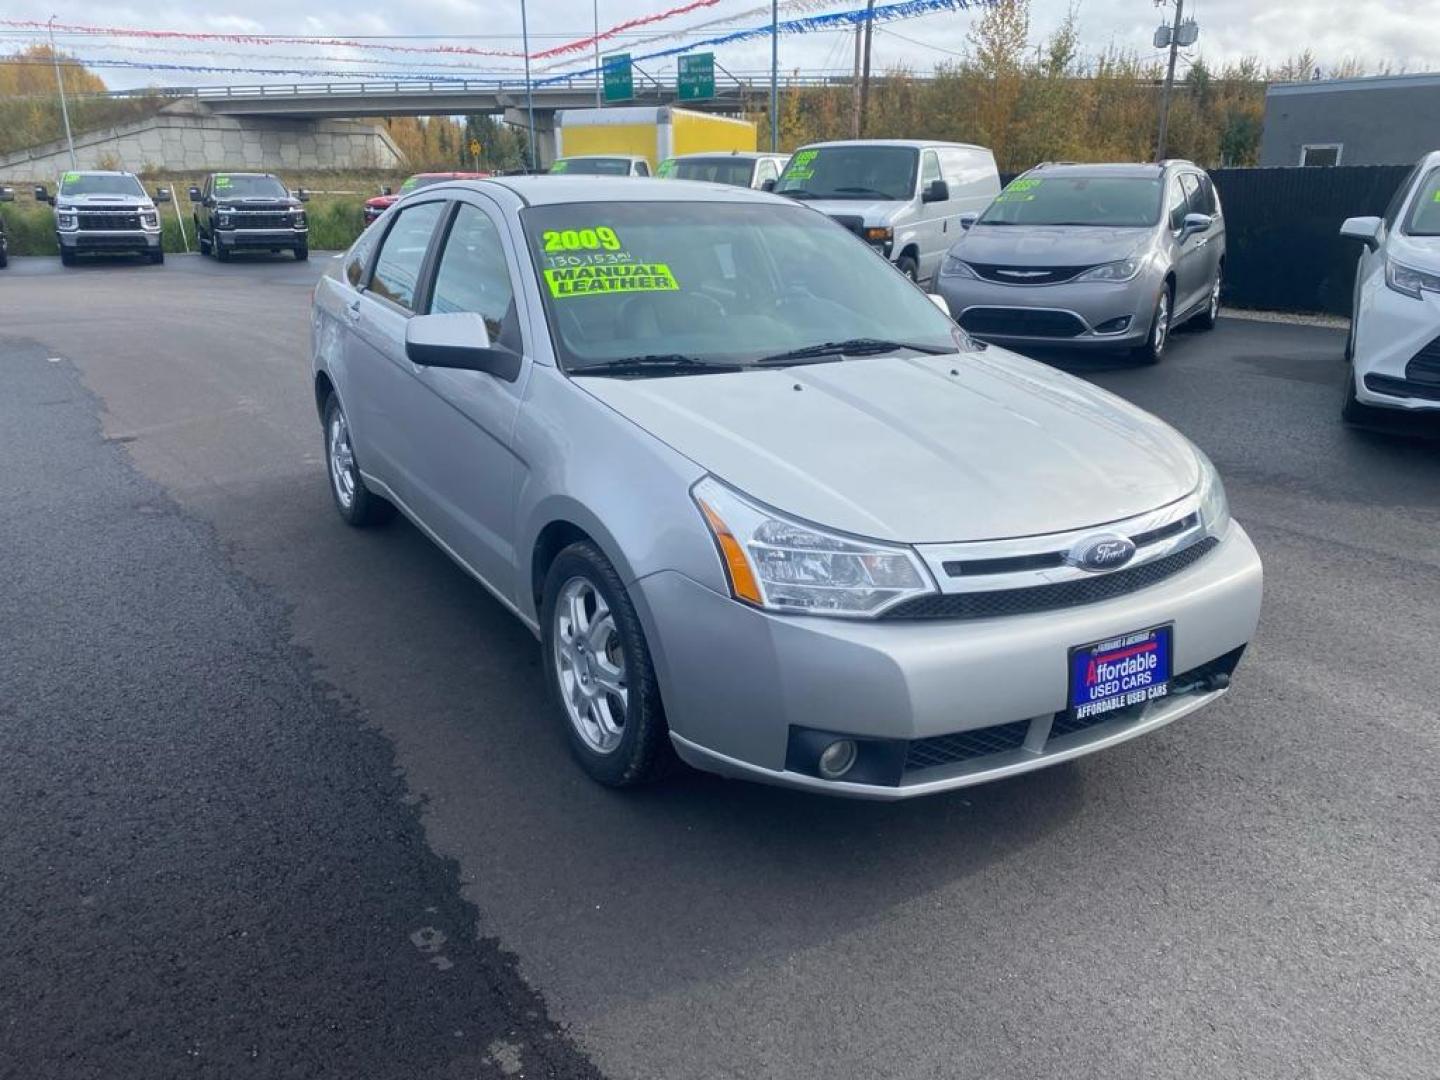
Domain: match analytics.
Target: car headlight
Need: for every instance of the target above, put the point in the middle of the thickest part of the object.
(1214, 507)
(1408, 280)
(150, 219)
(954, 266)
(299, 218)
(1121, 270)
(65, 219)
(779, 564)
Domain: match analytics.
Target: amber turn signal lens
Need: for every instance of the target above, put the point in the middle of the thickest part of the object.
(737, 566)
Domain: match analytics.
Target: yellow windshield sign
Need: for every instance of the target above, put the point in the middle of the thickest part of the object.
(626, 277)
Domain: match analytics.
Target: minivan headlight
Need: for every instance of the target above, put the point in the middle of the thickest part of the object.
(1214, 506)
(780, 564)
(955, 267)
(1121, 270)
(1408, 280)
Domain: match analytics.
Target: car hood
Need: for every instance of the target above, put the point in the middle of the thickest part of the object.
(380, 202)
(103, 202)
(267, 202)
(975, 446)
(1048, 245)
(1421, 252)
(874, 211)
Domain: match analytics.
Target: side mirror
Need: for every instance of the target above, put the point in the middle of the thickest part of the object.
(940, 302)
(1365, 229)
(7, 194)
(162, 194)
(1195, 223)
(386, 190)
(767, 185)
(195, 195)
(41, 195)
(936, 191)
(459, 341)
(968, 218)
(302, 195)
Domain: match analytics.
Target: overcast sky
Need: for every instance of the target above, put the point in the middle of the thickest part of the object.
(1401, 35)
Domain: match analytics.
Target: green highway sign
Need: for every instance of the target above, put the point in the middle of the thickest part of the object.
(696, 80)
(619, 80)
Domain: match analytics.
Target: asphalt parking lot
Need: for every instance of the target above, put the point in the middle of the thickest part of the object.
(278, 797)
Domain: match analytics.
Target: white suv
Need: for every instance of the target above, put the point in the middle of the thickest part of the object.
(1394, 345)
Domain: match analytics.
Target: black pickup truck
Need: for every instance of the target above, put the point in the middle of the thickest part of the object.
(249, 212)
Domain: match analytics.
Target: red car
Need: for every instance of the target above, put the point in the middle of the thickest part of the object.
(378, 205)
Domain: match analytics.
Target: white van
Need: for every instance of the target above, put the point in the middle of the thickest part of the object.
(905, 196)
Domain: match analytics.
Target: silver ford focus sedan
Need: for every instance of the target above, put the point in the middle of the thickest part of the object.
(760, 499)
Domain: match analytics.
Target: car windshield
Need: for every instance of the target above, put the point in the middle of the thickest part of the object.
(419, 182)
(100, 184)
(1117, 201)
(718, 284)
(1424, 217)
(717, 170)
(249, 187)
(851, 172)
(600, 166)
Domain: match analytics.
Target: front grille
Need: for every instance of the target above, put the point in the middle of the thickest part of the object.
(1021, 322)
(963, 745)
(1048, 560)
(1424, 366)
(1411, 388)
(1062, 594)
(101, 220)
(1026, 275)
(251, 219)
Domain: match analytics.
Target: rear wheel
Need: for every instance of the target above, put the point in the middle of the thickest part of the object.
(1154, 347)
(599, 670)
(358, 505)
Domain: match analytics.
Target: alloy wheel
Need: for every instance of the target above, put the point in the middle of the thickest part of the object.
(590, 665)
(342, 461)
(1160, 332)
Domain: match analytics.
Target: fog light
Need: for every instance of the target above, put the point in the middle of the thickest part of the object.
(837, 759)
(1114, 326)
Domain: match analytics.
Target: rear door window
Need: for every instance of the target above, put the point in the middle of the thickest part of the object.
(402, 255)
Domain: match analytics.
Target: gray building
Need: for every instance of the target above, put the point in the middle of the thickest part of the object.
(1381, 120)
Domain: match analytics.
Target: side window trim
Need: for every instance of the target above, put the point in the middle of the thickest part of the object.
(483, 205)
(422, 297)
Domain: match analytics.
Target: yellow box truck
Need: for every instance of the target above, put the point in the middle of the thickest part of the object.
(649, 132)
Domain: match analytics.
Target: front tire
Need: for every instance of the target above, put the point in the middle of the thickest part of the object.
(356, 504)
(599, 670)
(302, 253)
(156, 257)
(67, 257)
(1353, 411)
(222, 251)
(907, 265)
(1154, 348)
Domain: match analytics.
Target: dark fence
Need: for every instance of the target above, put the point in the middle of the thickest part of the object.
(1282, 232)
(1283, 246)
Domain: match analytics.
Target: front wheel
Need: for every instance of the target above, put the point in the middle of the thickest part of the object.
(67, 257)
(302, 253)
(222, 251)
(909, 267)
(157, 257)
(1154, 347)
(1353, 411)
(357, 504)
(599, 670)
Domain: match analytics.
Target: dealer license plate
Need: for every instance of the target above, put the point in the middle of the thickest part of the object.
(1121, 671)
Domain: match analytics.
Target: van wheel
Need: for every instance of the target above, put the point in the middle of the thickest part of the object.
(1154, 347)
(909, 267)
(599, 670)
(358, 505)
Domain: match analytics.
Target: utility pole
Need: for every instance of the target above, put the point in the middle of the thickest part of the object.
(774, 76)
(1169, 83)
(529, 90)
(855, 84)
(60, 82)
(599, 73)
(865, 69)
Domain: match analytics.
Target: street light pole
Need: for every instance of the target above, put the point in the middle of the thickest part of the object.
(599, 74)
(60, 82)
(865, 69)
(1169, 83)
(774, 75)
(529, 90)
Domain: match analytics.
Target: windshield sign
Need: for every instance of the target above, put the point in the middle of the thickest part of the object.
(1425, 217)
(419, 182)
(851, 172)
(249, 187)
(1116, 201)
(718, 285)
(592, 166)
(74, 183)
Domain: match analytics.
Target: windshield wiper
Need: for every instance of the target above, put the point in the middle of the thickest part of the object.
(655, 364)
(853, 347)
(797, 193)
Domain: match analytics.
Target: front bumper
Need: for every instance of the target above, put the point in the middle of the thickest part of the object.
(1088, 306)
(102, 240)
(1393, 333)
(263, 239)
(739, 683)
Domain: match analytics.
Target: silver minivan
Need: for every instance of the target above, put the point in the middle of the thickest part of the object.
(764, 504)
(905, 197)
(1100, 256)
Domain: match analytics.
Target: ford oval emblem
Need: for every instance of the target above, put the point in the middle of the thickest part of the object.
(1098, 553)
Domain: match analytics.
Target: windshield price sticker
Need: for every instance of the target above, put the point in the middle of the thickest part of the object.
(589, 280)
(799, 167)
(71, 177)
(1021, 190)
(223, 182)
(597, 246)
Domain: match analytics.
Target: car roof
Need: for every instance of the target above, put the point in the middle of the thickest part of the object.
(718, 155)
(232, 172)
(601, 157)
(911, 144)
(1147, 170)
(556, 189)
(98, 172)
